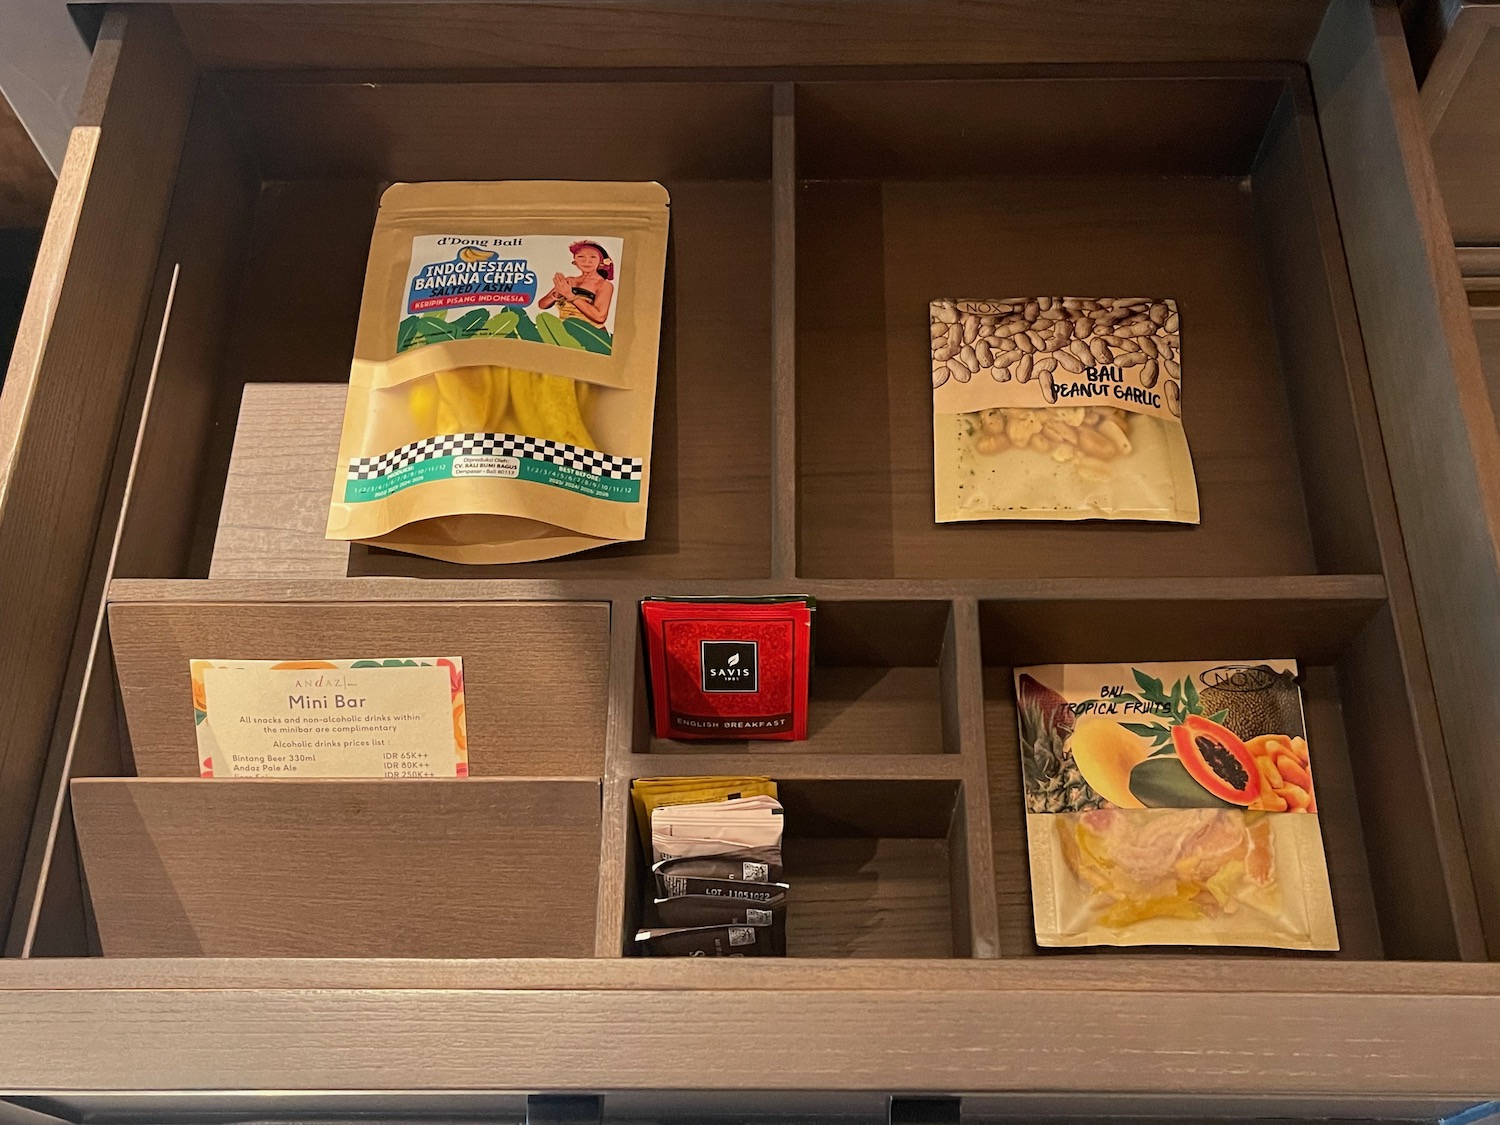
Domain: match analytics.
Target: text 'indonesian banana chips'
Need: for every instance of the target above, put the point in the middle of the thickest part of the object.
(504, 377)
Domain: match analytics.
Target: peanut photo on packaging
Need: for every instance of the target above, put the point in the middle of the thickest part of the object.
(1060, 408)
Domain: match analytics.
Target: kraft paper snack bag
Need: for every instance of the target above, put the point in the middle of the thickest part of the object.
(1059, 408)
(503, 386)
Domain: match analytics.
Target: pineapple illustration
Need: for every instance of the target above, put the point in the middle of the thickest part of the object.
(1054, 782)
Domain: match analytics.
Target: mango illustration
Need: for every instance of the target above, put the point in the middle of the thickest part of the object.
(1106, 753)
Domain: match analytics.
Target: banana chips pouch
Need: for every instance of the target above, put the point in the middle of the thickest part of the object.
(504, 376)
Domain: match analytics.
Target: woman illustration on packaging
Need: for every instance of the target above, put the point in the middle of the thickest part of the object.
(588, 295)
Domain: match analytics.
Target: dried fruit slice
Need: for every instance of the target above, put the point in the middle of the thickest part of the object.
(1217, 760)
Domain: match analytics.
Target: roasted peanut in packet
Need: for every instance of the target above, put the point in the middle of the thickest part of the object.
(503, 386)
(1059, 408)
(1172, 804)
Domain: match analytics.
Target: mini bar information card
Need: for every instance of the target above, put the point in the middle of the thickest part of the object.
(389, 717)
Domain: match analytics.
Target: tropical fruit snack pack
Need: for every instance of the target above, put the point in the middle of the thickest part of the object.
(504, 378)
(1172, 804)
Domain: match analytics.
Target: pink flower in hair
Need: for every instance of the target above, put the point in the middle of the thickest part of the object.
(606, 264)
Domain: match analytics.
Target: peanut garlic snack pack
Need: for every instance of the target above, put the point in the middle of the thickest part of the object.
(1059, 408)
(504, 378)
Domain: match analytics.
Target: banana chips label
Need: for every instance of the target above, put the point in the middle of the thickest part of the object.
(504, 377)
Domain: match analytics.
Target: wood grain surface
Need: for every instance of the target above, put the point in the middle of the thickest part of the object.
(878, 599)
(1459, 97)
(830, 205)
(976, 917)
(867, 485)
(535, 676)
(478, 868)
(1206, 124)
(1436, 415)
(68, 380)
(1487, 332)
(1393, 723)
(303, 128)
(853, 711)
(26, 183)
(275, 506)
(546, 33)
(204, 246)
(868, 898)
(814, 1037)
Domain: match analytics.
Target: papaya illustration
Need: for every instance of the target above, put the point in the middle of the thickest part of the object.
(1218, 760)
(1106, 753)
(1163, 782)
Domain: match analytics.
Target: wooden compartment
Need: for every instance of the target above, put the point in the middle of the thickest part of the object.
(1456, 48)
(281, 179)
(1484, 303)
(875, 869)
(535, 675)
(1393, 847)
(883, 682)
(488, 868)
(916, 190)
(190, 359)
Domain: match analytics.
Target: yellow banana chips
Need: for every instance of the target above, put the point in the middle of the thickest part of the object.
(504, 377)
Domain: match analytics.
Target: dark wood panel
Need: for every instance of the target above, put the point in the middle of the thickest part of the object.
(68, 381)
(550, 33)
(1459, 100)
(868, 596)
(784, 332)
(1309, 294)
(851, 711)
(976, 924)
(1438, 420)
(289, 323)
(1419, 873)
(1007, 816)
(26, 183)
(580, 129)
(1352, 512)
(1036, 126)
(868, 898)
(535, 675)
(1487, 332)
(864, 391)
(204, 243)
(1168, 628)
(183, 867)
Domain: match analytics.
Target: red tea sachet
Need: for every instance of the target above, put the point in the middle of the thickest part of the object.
(729, 668)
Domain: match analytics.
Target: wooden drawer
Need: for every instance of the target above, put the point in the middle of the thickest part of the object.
(180, 377)
(1457, 43)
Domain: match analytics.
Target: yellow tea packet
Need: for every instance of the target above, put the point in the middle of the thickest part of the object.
(1172, 804)
(648, 794)
(504, 378)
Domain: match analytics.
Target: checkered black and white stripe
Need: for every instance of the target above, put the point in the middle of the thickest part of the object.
(496, 445)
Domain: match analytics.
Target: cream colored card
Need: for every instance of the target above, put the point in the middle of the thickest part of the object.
(392, 717)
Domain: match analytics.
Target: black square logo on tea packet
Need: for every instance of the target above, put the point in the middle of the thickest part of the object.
(729, 666)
